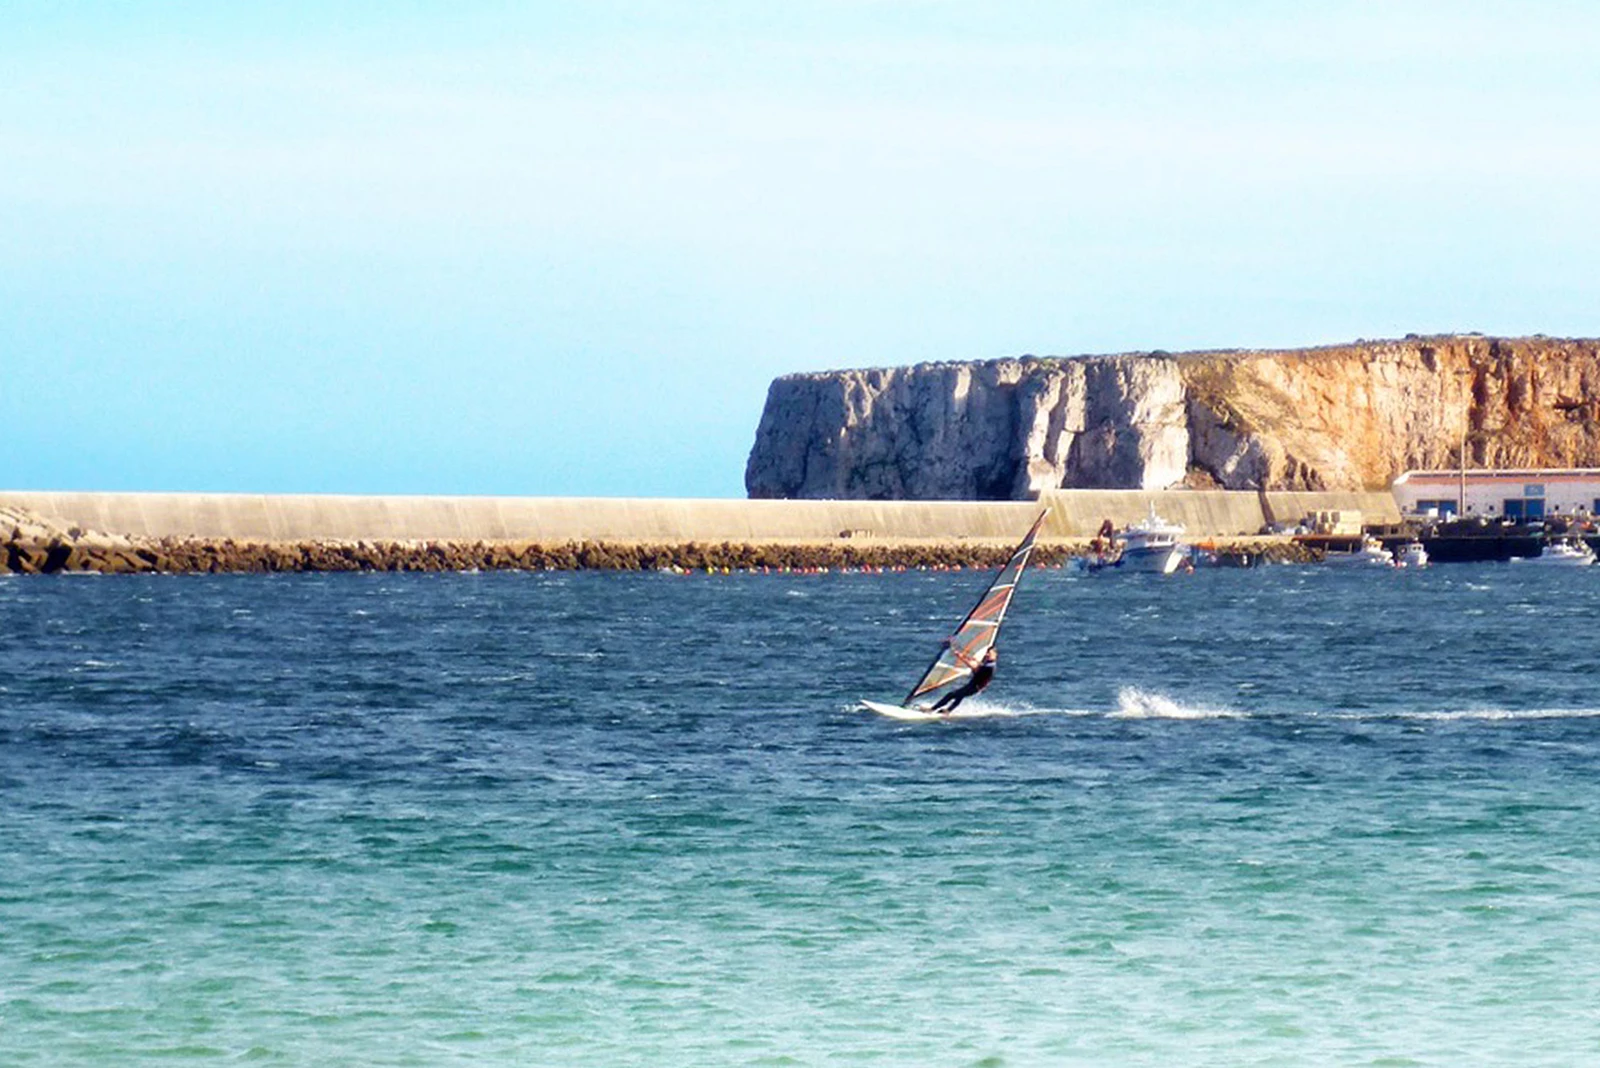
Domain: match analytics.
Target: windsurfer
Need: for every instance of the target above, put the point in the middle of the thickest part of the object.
(982, 674)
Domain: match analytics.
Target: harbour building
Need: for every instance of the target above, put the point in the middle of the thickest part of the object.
(1518, 495)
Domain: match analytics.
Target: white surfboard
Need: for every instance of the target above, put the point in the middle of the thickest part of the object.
(902, 712)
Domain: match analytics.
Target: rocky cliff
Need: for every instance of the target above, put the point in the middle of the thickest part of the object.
(1344, 417)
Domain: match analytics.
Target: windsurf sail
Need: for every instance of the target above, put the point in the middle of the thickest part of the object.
(977, 632)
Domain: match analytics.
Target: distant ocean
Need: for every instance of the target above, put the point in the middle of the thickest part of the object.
(1282, 816)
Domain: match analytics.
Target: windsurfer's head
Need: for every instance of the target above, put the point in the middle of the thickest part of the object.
(991, 655)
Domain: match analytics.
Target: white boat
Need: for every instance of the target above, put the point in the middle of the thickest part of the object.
(1411, 554)
(1153, 544)
(1370, 553)
(1561, 554)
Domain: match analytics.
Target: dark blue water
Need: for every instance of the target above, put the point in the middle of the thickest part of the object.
(1241, 817)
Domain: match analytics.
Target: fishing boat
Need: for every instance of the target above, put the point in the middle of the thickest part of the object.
(1369, 553)
(1153, 544)
(961, 654)
(1561, 554)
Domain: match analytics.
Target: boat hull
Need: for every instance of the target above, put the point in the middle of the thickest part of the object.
(1159, 561)
(1358, 560)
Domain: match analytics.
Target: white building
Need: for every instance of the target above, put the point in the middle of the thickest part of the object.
(1509, 494)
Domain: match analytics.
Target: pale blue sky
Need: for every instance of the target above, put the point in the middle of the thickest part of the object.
(524, 248)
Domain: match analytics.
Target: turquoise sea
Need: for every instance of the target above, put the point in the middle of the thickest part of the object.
(1270, 817)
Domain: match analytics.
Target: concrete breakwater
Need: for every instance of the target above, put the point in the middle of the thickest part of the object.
(43, 532)
(554, 520)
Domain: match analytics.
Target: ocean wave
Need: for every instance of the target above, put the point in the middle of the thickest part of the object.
(1134, 703)
(978, 708)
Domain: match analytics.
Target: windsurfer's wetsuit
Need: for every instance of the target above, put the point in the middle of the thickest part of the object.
(981, 676)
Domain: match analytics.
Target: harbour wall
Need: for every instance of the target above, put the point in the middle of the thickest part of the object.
(337, 518)
(1206, 513)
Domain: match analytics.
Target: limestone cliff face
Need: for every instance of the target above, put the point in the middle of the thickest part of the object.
(1339, 418)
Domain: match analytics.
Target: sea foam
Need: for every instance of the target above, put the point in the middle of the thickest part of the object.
(1134, 703)
(1455, 715)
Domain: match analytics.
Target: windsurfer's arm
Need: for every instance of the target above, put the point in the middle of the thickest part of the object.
(949, 643)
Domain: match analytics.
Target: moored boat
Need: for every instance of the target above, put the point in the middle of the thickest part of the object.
(1369, 553)
(1560, 554)
(1153, 544)
(1411, 554)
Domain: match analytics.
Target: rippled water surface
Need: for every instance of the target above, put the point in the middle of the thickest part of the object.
(1241, 817)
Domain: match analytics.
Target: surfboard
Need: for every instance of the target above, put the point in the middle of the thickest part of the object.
(901, 711)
